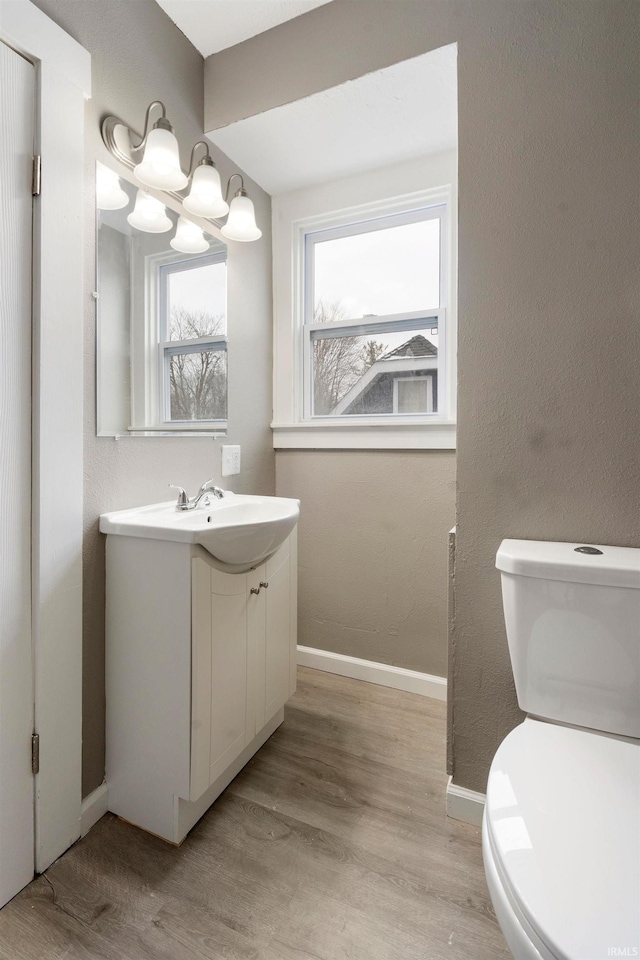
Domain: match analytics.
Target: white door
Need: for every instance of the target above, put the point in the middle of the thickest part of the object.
(17, 109)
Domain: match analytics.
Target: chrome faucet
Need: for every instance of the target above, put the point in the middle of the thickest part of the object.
(209, 487)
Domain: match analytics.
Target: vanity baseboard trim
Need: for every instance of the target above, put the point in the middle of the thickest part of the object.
(424, 684)
(94, 807)
(464, 804)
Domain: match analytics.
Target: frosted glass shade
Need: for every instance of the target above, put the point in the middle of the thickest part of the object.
(241, 224)
(160, 166)
(205, 197)
(149, 215)
(109, 193)
(189, 237)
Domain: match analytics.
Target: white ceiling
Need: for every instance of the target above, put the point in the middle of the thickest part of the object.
(405, 111)
(214, 25)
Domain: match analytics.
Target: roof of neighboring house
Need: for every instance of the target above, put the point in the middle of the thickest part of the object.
(418, 346)
(417, 354)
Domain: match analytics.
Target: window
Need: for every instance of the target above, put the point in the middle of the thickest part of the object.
(365, 318)
(373, 314)
(192, 347)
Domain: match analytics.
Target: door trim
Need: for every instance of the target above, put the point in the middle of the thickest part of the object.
(63, 70)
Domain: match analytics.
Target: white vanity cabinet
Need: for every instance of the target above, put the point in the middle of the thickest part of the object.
(200, 662)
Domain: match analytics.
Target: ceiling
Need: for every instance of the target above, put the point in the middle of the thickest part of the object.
(400, 113)
(214, 25)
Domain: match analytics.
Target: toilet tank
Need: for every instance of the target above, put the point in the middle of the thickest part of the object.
(572, 614)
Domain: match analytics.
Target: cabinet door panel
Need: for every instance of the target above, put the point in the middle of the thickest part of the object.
(277, 632)
(200, 677)
(255, 621)
(231, 712)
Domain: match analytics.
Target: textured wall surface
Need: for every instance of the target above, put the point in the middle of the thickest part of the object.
(138, 55)
(372, 552)
(549, 290)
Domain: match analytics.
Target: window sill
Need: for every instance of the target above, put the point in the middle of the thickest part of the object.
(363, 435)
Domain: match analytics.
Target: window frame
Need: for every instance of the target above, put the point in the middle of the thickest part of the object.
(428, 383)
(290, 426)
(151, 400)
(166, 348)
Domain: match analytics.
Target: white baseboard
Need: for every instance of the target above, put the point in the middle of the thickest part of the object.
(93, 808)
(465, 805)
(382, 673)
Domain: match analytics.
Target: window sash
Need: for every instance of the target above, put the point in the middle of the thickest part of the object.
(173, 348)
(165, 270)
(434, 316)
(356, 228)
(400, 323)
(167, 348)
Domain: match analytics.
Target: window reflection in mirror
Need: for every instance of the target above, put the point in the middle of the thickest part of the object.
(162, 318)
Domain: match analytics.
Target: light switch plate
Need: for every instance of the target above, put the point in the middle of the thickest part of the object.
(230, 460)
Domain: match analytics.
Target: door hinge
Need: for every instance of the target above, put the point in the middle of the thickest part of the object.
(36, 180)
(35, 753)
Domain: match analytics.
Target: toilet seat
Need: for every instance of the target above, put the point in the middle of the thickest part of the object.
(562, 841)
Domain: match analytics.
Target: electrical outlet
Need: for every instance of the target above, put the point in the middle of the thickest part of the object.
(230, 460)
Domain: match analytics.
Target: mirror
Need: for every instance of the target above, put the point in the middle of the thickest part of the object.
(161, 359)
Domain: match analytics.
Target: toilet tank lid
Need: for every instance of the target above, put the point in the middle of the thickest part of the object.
(548, 560)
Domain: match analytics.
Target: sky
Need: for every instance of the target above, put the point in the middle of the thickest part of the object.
(201, 289)
(395, 270)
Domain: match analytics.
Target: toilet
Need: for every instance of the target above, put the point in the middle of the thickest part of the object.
(561, 827)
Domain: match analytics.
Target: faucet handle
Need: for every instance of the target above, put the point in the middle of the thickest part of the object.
(183, 499)
(210, 487)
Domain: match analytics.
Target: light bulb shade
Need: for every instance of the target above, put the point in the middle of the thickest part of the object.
(189, 238)
(109, 193)
(205, 197)
(149, 215)
(160, 166)
(241, 224)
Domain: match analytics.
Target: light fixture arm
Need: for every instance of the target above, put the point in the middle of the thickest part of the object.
(166, 124)
(205, 159)
(241, 192)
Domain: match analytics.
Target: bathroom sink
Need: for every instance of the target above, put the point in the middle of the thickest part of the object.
(237, 529)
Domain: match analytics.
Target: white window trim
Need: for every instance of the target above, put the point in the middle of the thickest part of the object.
(290, 428)
(149, 403)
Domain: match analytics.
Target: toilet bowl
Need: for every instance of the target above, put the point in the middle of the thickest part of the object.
(561, 829)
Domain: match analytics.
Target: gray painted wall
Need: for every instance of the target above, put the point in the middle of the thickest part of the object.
(372, 552)
(549, 290)
(138, 55)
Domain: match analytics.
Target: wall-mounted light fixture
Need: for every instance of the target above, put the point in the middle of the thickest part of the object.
(155, 160)
(189, 237)
(149, 215)
(109, 193)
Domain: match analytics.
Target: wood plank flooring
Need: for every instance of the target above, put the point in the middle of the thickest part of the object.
(331, 844)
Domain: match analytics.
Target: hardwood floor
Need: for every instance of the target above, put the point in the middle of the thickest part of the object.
(331, 844)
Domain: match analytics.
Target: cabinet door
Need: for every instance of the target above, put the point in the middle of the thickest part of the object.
(279, 638)
(222, 714)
